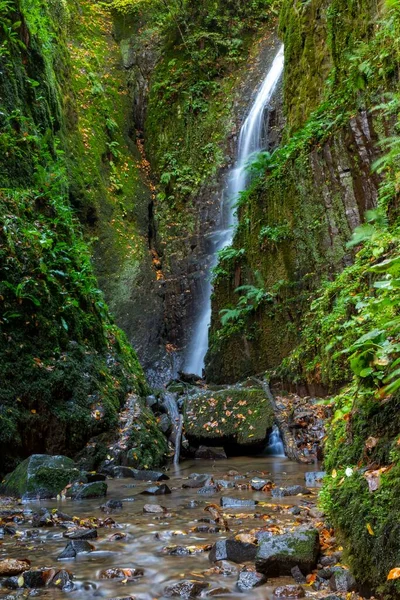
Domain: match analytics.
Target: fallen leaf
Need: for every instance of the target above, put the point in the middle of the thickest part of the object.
(394, 573)
(369, 529)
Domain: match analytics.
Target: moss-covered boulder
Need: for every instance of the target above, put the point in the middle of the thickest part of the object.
(240, 416)
(40, 476)
(83, 491)
(277, 555)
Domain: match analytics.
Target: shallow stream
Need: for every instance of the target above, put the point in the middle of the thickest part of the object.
(147, 535)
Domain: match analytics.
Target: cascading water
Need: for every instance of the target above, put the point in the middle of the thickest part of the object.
(275, 444)
(252, 139)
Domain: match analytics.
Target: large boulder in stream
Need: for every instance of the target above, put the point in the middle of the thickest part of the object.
(40, 476)
(236, 416)
(278, 554)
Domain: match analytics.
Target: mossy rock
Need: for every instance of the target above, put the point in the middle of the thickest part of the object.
(40, 476)
(83, 491)
(240, 416)
(278, 554)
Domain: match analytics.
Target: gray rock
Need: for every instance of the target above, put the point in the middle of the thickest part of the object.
(292, 490)
(111, 506)
(81, 533)
(342, 581)
(82, 491)
(210, 453)
(224, 483)
(314, 478)
(123, 472)
(258, 484)
(185, 589)
(144, 475)
(278, 555)
(298, 575)
(195, 482)
(249, 579)
(157, 490)
(40, 476)
(234, 550)
(208, 490)
(75, 547)
(165, 423)
(153, 509)
(289, 591)
(227, 502)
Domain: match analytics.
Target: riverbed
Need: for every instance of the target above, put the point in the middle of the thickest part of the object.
(148, 539)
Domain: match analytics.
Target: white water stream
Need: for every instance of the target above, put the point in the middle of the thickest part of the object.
(252, 139)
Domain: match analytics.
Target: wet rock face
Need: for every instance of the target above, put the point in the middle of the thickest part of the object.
(278, 555)
(234, 550)
(289, 591)
(333, 186)
(40, 476)
(292, 490)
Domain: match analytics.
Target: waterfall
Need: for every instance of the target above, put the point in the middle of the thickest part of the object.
(252, 139)
(275, 444)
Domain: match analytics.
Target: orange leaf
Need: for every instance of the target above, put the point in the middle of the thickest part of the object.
(394, 573)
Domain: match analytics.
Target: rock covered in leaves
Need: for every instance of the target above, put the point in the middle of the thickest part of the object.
(289, 591)
(242, 415)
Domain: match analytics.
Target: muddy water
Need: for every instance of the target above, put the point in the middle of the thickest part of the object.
(149, 534)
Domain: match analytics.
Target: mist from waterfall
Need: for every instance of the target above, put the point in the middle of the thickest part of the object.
(252, 139)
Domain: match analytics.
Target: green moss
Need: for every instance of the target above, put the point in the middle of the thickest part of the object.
(56, 331)
(42, 475)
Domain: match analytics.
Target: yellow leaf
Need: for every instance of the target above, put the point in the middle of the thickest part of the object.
(33, 411)
(334, 474)
(394, 573)
(20, 581)
(370, 530)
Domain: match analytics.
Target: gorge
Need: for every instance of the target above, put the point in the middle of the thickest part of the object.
(199, 249)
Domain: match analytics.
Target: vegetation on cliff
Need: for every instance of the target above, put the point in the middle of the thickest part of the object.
(323, 310)
(65, 367)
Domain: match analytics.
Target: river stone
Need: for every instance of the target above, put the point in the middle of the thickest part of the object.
(258, 484)
(157, 490)
(289, 591)
(111, 505)
(234, 550)
(292, 490)
(63, 581)
(34, 578)
(13, 566)
(224, 483)
(123, 472)
(227, 502)
(81, 533)
(249, 579)
(75, 547)
(314, 478)
(243, 416)
(93, 477)
(278, 555)
(40, 476)
(210, 453)
(196, 482)
(153, 509)
(81, 491)
(342, 581)
(185, 589)
(298, 575)
(144, 475)
(208, 490)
